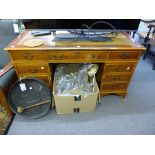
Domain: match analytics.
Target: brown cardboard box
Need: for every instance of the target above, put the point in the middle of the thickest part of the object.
(75, 103)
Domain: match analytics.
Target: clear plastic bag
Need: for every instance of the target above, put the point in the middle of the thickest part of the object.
(73, 79)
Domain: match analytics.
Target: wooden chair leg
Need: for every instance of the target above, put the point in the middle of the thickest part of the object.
(144, 56)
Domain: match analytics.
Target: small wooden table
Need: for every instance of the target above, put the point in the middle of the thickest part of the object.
(117, 59)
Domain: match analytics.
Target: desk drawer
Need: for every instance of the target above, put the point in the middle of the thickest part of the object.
(114, 86)
(119, 67)
(115, 78)
(22, 68)
(28, 55)
(45, 78)
(78, 55)
(124, 55)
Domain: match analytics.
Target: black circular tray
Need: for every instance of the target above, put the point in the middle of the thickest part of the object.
(36, 91)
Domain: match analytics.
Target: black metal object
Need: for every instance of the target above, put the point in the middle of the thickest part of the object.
(30, 91)
(147, 44)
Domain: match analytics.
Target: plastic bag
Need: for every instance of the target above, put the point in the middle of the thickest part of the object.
(73, 79)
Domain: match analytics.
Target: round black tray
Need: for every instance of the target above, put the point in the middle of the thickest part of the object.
(36, 91)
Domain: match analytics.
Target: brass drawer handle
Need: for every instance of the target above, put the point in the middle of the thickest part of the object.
(116, 78)
(114, 84)
(93, 56)
(120, 69)
(124, 55)
(60, 57)
(28, 56)
(33, 70)
(77, 53)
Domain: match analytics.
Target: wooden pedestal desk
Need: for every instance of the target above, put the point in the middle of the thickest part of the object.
(117, 59)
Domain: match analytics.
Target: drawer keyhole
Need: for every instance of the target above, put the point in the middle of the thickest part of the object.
(116, 78)
(33, 70)
(93, 56)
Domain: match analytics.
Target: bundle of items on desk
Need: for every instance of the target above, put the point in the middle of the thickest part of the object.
(74, 90)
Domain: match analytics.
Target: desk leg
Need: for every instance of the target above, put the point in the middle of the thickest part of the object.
(123, 95)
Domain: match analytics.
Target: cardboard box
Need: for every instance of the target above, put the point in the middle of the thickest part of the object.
(75, 103)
